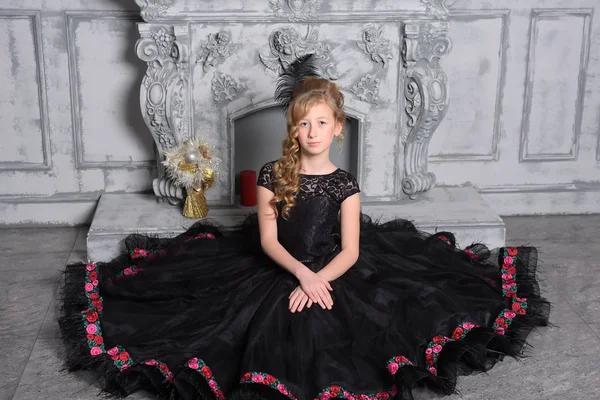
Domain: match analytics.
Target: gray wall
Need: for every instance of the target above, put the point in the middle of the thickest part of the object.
(522, 124)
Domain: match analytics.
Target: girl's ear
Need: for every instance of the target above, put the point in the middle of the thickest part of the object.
(338, 128)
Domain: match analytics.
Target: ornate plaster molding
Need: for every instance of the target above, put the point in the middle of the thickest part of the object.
(216, 49)
(427, 95)
(295, 10)
(367, 89)
(225, 88)
(164, 90)
(151, 10)
(286, 45)
(376, 46)
(438, 9)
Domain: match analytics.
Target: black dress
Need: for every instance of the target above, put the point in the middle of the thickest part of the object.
(205, 315)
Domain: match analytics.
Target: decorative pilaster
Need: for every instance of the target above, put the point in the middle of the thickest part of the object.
(427, 94)
(164, 97)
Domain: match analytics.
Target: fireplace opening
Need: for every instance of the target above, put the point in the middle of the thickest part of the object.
(258, 134)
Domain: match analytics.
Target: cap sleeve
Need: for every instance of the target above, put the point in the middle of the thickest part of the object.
(265, 176)
(351, 187)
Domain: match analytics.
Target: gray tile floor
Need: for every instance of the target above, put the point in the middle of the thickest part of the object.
(565, 362)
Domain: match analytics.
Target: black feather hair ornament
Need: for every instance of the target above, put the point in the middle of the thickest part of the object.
(292, 76)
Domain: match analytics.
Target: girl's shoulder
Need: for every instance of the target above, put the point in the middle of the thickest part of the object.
(265, 175)
(342, 184)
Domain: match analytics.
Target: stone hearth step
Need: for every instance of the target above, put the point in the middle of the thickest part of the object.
(460, 210)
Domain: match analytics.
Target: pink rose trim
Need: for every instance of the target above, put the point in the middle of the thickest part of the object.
(325, 396)
(113, 351)
(257, 378)
(90, 267)
(428, 350)
(508, 260)
(95, 351)
(433, 370)
(124, 367)
(89, 287)
(393, 368)
(212, 384)
(437, 348)
(127, 271)
(91, 329)
(151, 362)
(468, 325)
(193, 363)
(282, 389)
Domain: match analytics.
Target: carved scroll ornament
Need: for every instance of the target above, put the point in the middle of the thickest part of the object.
(426, 92)
(164, 94)
(367, 89)
(225, 88)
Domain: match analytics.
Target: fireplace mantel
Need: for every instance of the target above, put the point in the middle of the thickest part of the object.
(204, 66)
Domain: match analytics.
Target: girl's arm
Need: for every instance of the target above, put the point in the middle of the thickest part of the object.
(350, 211)
(317, 288)
(267, 224)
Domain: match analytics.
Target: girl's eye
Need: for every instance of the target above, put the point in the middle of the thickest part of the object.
(303, 123)
(323, 122)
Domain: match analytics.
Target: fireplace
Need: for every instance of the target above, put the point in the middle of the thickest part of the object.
(214, 75)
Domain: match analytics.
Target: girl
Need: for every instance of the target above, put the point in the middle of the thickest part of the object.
(285, 306)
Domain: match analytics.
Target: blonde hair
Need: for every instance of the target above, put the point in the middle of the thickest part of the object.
(286, 173)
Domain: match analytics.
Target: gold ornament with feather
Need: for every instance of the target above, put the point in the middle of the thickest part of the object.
(193, 165)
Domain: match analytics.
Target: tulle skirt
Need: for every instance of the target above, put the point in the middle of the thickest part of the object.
(205, 315)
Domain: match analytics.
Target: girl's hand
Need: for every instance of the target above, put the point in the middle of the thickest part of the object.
(298, 299)
(317, 288)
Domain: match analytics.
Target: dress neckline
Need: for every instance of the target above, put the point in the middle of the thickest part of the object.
(318, 175)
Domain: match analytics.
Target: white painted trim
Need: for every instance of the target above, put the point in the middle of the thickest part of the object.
(493, 154)
(538, 14)
(36, 30)
(80, 162)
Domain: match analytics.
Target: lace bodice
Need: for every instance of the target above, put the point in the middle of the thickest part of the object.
(311, 229)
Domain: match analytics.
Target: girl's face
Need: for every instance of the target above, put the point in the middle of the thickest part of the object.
(317, 130)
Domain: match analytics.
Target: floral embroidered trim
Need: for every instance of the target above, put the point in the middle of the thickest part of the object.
(395, 363)
(162, 367)
(200, 366)
(202, 236)
(143, 253)
(509, 289)
(268, 380)
(91, 316)
(435, 346)
(129, 271)
(444, 238)
(120, 357)
(471, 254)
(91, 324)
(339, 392)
